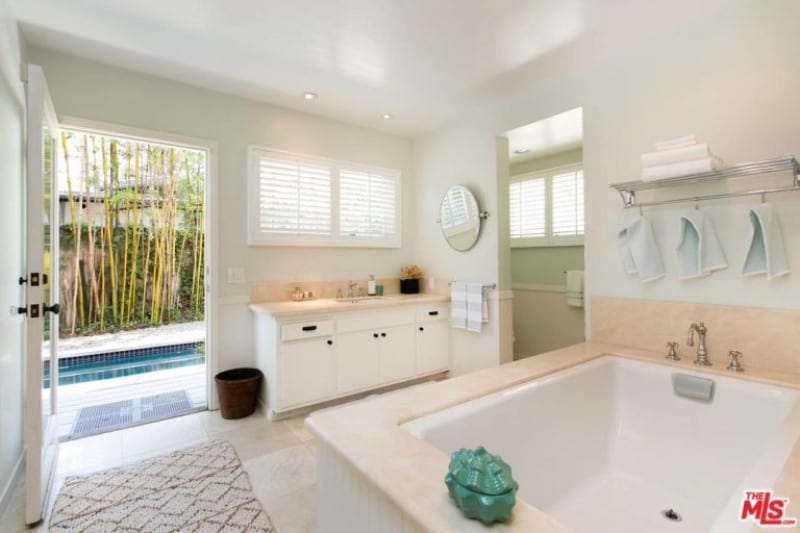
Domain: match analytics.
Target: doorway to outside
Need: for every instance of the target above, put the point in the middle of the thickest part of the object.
(132, 328)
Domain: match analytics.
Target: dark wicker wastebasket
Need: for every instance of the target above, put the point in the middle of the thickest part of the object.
(238, 391)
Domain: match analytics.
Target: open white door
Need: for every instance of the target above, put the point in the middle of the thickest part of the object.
(41, 282)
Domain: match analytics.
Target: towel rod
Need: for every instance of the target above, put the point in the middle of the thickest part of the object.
(485, 285)
(628, 189)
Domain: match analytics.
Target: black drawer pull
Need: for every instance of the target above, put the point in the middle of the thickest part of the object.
(375, 335)
(309, 328)
(383, 334)
(330, 343)
(433, 313)
(421, 328)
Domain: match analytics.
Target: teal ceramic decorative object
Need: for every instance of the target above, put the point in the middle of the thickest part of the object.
(481, 485)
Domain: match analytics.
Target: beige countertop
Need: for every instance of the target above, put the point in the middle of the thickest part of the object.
(369, 436)
(289, 309)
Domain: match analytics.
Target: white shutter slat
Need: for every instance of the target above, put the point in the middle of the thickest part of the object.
(367, 203)
(527, 208)
(294, 195)
(568, 203)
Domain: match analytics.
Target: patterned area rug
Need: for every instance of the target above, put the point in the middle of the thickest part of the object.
(201, 489)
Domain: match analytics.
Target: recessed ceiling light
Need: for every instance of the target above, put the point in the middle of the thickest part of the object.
(310, 96)
(522, 150)
(386, 116)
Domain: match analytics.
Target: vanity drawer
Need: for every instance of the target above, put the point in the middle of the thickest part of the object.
(306, 330)
(433, 313)
(378, 318)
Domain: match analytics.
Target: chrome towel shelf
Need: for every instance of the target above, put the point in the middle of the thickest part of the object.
(485, 285)
(628, 189)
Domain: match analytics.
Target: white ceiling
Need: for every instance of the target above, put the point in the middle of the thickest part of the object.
(554, 134)
(423, 61)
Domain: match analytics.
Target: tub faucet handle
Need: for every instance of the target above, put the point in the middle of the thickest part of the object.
(673, 351)
(735, 365)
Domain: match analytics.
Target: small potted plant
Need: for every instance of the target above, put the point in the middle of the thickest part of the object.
(409, 279)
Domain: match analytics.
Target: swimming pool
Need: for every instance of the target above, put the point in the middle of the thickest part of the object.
(95, 367)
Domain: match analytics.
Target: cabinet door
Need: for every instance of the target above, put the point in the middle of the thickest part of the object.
(396, 352)
(356, 361)
(305, 371)
(433, 347)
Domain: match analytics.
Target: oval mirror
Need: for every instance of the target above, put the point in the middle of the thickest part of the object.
(460, 218)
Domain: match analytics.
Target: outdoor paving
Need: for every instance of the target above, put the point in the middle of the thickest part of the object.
(183, 333)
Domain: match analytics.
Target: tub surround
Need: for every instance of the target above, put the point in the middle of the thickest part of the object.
(367, 439)
(768, 338)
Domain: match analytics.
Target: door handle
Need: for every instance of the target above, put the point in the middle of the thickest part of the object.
(55, 308)
(383, 334)
(18, 310)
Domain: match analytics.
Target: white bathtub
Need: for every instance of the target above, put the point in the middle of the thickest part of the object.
(607, 446)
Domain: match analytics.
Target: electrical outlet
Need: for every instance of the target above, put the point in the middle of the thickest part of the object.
(235, 275)
(431, 283)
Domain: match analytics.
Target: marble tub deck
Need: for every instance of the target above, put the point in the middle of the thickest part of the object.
(369, 437)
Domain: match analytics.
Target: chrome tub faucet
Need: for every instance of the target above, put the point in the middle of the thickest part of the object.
(702, 352)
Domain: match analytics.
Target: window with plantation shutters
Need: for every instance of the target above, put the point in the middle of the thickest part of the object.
(546, 209)
(297, 200)
(367, 205)
(568, 203)
(527, 208)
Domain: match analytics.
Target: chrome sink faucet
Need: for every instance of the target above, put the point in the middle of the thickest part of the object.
(702, 352)
(350, 286)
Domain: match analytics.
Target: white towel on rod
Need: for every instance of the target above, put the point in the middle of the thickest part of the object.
(575, 288)
(640, 253)
(676, 155)
(678, 142)
(458, 304)
(475, 301)
(684, 168)
(766, 251)
(699, 251)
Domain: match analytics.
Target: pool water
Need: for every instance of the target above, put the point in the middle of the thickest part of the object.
(97, 367)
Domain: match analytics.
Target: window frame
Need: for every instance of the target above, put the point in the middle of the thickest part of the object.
(549, 240)
(256, 237)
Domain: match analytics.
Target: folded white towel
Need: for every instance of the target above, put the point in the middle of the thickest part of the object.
(475, 300)
(640, 253)
(458, 304)
(699, 250)
(684, 168)
(575, 288)
(766, 251)
(676, 155)
(678, 142)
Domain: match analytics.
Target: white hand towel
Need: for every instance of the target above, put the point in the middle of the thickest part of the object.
(458, 304)
(766, 251)
(684, 168)
(474, 307)
(640, 251)
(678, 142)
(575, 288)
(699, 250)
(676, 155)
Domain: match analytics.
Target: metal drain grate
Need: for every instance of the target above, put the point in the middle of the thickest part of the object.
(117, 415)
(97, 417)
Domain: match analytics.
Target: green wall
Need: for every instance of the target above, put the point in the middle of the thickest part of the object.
(545, 265)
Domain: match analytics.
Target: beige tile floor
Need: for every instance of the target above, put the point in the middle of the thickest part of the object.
(278, 456)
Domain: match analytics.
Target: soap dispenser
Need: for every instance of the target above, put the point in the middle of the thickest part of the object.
(371, 285)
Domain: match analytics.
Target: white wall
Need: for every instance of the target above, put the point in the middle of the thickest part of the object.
(12, 124)
(95, 91)
(725, 70)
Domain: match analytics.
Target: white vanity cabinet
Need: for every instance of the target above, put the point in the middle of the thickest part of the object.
(338, 350)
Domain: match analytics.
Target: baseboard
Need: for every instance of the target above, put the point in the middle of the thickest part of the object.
(16, 475)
